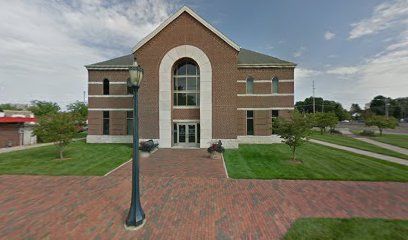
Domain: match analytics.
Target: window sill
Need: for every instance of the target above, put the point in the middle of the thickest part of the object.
(186, 107)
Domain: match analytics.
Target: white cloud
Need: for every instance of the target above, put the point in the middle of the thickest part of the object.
(384, 72)
(383, 17)
(342, 70)
(299, 52)
(329, 35)
(45, 44)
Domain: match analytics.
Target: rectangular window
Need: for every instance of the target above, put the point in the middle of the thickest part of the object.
(105, 122)
(175, 132)
(250, 86)
(275, 113)
(250, 122)
(129, 122)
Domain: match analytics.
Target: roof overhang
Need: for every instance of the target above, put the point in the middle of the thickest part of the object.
(194, 15)
(107, 67)
(16, 120)
(266, 66)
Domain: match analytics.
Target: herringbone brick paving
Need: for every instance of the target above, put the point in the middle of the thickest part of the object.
(186, 207)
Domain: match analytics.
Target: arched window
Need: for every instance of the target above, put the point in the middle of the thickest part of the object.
(105, 87)
(275, 85)
(186, 83)
(250, 85)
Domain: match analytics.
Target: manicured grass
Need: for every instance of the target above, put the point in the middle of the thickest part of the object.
(393, 139)
(354, 143)
(347, 229)
(319, 162)
(84, 159)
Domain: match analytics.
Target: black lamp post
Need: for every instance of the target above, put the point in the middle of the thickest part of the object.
(136, 216)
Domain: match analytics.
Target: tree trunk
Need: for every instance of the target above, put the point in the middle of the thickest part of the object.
(380, 131)
(294, 154)
(61, 151)
(321, 131)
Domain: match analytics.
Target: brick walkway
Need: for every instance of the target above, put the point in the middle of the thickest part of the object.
(184, 196)
(184, 208)
(177, 163)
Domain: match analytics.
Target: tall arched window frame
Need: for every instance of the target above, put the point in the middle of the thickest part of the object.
(186, 78)
(250, 85)
(275, 85)
(105, 87)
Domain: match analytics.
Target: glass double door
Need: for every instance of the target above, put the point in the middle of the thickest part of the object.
(187, 134)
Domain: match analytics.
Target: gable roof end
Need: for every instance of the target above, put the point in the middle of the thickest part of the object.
(194, 15)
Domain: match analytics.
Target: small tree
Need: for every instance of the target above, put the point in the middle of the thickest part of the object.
(42, 108)
(324, 120)
(294, 131)
(382, 122)
(80, 110)
(58, 128)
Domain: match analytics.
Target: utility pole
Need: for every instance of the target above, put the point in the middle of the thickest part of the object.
(314, 103)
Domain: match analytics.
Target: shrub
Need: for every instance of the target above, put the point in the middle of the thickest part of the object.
(368, 133)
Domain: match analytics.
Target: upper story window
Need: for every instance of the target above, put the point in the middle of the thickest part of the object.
(250, 85)
(105, 87)
(186, 83)
(275, 85)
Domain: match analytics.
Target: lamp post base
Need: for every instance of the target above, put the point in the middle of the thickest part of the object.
(133, 228)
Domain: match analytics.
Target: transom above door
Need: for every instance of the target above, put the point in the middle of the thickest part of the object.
(186, 134)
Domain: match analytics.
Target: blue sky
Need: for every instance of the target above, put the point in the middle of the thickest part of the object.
(353, 50)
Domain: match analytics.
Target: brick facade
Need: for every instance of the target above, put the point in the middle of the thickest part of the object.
(10, 133)
(229, 99)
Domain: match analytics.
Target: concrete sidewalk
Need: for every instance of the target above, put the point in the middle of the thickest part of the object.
(383, 145)
(18, 148)
(362, 152)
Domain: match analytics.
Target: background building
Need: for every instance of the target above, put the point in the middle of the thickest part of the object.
(16, 128)
(199, 86)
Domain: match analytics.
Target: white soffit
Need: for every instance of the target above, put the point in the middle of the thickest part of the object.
(194, 15)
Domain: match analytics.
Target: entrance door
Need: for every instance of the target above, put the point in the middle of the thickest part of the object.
(187, 134)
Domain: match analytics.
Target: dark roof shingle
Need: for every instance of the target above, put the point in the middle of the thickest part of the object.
(123, 61)
(246, 58)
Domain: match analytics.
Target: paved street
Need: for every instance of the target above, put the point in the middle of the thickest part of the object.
(183, 207)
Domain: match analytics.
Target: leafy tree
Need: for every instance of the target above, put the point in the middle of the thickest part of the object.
(382, 122)
(7, 106)
(42, 108)
(324, 120)
(322, 105)
(294, 131)
(80, 109)
(355, 108)
(59, 128)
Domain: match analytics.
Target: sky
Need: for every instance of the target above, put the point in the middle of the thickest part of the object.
(352, 50)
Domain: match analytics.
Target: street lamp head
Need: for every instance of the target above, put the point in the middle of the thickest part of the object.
(136, 75)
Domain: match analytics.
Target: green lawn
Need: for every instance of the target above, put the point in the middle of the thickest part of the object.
(354, 143)
(320, 162)
(84, 159)
(348, 229)
(393, 139)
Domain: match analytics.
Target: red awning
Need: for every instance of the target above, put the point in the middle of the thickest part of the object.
(16, 120)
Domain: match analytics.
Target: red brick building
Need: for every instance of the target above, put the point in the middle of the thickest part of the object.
(198, 86)
(16, 128)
